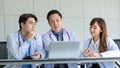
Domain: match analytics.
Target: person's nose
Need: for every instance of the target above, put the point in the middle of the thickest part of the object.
(33, 26)
(55, 22)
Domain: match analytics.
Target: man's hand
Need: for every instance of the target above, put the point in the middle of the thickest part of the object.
(36, 56)
(29, 35)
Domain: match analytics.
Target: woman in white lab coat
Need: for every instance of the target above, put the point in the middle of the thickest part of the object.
(100, 45)
(55, 22)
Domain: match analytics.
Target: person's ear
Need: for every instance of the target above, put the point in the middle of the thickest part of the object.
(22, 24)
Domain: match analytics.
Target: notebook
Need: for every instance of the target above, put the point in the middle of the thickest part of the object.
(64, 49)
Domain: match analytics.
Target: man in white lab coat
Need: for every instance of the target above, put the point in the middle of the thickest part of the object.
(56, 33)
(25, 43)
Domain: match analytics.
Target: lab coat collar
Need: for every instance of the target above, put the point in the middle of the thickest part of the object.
(97, 42)
(53, 38)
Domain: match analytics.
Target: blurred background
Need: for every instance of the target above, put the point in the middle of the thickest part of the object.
(77, 15)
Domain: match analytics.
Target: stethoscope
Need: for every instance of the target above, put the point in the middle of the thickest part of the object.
(66, 33)
(89, 43)
(19, 38)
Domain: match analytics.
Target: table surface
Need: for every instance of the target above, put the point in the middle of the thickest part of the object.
(58, 60)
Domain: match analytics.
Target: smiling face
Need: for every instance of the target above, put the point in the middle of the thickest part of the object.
(55, 22)
(29, 25)
(95, 30)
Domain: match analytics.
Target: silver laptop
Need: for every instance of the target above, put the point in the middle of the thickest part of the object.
(64, 49)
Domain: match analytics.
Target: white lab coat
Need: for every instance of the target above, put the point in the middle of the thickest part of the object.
(16, 51)
(49, 37)
(112, 51)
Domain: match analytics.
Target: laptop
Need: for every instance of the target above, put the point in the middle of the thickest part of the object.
(64, 49)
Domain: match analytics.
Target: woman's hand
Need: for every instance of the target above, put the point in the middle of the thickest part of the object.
(94, 54)
(86, 52)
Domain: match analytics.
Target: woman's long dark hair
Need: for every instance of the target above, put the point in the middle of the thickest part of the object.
(103, 34)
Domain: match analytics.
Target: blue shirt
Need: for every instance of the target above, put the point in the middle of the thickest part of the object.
(27, 53)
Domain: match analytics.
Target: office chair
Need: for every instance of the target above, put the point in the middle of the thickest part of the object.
(117, 41)
(3, 51)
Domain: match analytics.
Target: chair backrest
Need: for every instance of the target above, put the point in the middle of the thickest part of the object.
(117, 41)
(3, 50)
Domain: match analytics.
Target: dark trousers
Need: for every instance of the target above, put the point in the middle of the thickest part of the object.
(95, 65)
(58, 65)
(41, 66)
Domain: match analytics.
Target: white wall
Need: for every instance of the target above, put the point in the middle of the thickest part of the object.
(77, 15)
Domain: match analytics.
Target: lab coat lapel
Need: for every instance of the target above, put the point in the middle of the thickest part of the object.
(53, 38)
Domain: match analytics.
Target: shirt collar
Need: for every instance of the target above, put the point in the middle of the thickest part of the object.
(60, 32)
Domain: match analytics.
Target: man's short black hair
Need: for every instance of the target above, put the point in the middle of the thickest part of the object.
(24, 17)
(53, 12)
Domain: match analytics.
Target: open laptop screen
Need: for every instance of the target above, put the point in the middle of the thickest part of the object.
(64, 49)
